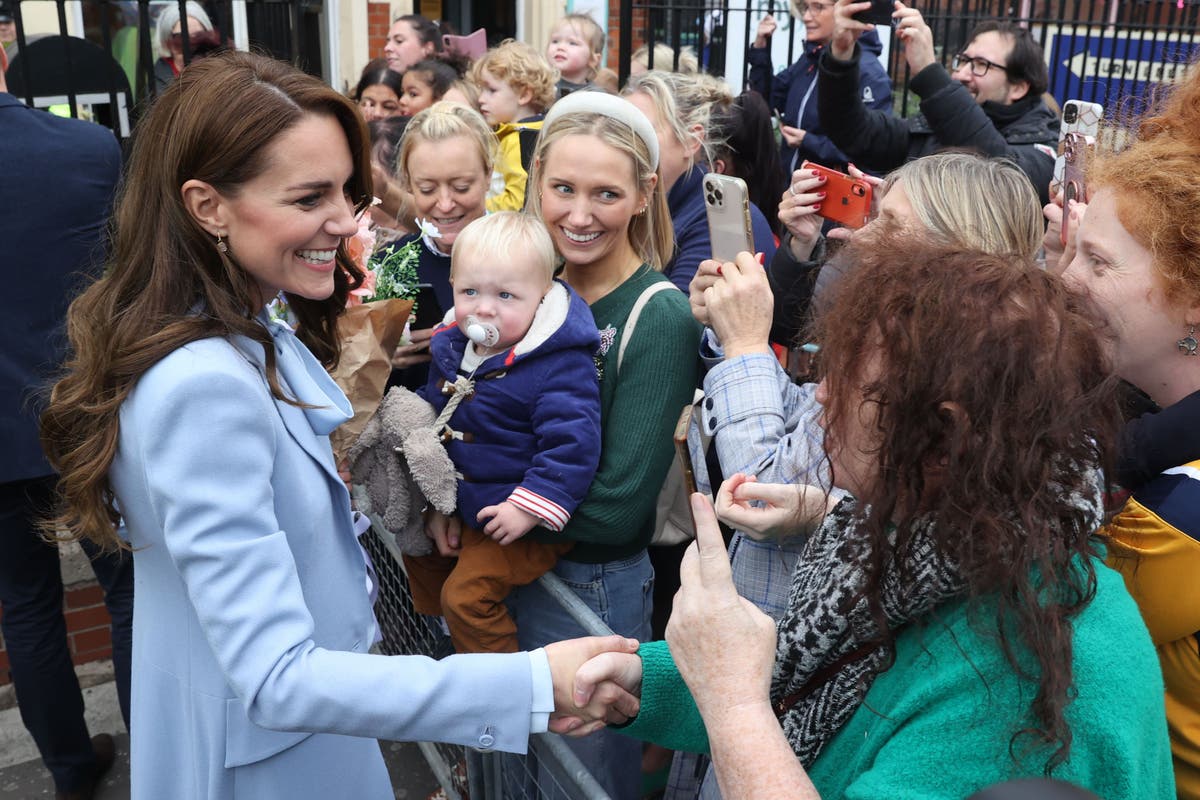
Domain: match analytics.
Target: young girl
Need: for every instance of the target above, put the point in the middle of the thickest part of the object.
(378, 91)
(576, 49)
(425, 83)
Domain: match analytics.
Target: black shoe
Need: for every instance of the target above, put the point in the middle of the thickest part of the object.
(105, 750)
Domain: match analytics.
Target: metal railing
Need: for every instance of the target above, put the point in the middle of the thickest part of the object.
(101, 54)
(551, 769)
(1104, 51)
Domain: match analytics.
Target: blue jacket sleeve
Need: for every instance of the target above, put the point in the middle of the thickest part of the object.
(566, 420)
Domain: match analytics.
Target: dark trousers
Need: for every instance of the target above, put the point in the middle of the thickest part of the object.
(35, 633)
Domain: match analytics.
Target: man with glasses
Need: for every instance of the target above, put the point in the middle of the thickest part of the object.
(792, 92)
(991, 103)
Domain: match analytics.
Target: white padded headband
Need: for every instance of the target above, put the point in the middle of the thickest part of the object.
(608, 105)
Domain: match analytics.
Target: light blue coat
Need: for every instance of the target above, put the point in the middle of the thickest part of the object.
(251, 618)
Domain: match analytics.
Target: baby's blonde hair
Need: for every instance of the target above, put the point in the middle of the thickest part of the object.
(506, 232)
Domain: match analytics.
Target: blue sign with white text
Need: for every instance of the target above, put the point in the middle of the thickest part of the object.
(1116, 69)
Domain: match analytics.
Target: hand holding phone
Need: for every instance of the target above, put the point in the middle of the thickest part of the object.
(847, 200)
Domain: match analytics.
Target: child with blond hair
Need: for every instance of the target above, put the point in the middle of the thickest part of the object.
(576, 49)
(516, 86)
(514, 382)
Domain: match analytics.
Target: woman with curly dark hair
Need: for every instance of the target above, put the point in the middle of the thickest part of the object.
(951, 624)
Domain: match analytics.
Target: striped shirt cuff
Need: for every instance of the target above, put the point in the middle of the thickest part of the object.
(551, 513)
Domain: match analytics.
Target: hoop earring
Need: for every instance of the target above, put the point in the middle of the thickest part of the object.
(224, 248)
(1188, 344)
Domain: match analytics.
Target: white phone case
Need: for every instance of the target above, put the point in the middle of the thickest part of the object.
(727, 204)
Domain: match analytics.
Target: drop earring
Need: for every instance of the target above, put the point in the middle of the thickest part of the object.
(224, 248)
(1188, 344)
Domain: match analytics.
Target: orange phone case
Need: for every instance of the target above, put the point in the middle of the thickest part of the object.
(847, 200)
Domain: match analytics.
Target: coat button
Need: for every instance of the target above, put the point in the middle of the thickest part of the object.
(708, 403)
(486, 740)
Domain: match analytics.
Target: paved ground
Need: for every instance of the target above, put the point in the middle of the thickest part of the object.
(22, 776)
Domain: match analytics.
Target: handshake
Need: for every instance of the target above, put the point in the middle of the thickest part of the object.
(722, 645)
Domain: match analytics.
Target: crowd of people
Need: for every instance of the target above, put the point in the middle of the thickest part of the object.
(951, 556)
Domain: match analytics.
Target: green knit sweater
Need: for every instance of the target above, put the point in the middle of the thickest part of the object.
(938, 724)
(638, 412)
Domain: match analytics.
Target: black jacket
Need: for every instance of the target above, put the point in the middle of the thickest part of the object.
(1026, 132)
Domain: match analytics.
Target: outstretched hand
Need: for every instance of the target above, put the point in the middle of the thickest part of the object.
(722, 644)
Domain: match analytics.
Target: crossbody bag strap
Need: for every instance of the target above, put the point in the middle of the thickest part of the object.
(634, 313)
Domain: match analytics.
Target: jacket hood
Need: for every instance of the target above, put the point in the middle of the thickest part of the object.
(562, 321)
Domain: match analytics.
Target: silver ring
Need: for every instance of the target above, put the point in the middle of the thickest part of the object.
(792, 189)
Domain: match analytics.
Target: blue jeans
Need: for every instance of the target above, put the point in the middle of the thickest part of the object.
(621, 594)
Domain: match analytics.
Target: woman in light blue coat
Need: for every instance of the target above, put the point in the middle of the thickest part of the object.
(207, 425)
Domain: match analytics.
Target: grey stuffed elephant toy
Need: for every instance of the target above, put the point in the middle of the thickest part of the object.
(403, 466)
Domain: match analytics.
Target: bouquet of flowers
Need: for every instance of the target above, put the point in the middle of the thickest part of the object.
(375, 320)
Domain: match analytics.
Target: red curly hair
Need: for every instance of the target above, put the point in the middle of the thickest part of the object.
(1155, 187)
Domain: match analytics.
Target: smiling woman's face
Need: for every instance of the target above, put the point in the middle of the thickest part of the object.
(449, 184)
(1119, 275)
(589, 197)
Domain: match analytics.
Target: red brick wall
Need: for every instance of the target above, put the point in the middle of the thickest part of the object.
(379, 21)
(87, 627)
(614, 30)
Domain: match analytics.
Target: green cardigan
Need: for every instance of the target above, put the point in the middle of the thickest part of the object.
(938, 724)
(638, 412)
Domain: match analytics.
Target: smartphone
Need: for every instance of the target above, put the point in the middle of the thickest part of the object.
(682, 451)
(847, 200)
(880, 13)
(727, 204)
(1076, 140)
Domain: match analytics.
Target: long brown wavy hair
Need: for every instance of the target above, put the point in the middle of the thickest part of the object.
(166, 283)
(995, 402)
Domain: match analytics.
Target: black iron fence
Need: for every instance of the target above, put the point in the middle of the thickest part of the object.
(105, 58)
(1106, 51)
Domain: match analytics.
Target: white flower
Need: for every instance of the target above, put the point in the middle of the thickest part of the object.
(428, 229)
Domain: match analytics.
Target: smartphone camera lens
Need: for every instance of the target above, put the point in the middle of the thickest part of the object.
(858, 190)
(708, 185)
(717, 194)
(712, 201)
(1070, 114)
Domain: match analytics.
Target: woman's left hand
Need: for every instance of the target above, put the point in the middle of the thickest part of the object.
(798, 211)
(722, 644)
(787, 509)
(740, 307)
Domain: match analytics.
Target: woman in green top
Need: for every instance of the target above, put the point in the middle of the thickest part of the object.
(595, 183)
(950, 624)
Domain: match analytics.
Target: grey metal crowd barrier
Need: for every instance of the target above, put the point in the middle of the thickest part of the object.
(550, 771)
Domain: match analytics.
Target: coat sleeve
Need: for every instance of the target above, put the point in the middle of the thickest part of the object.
(792, 285)
(760, 73)
(206, 451)
(566, 421)
(958, 121)
(871, 138)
